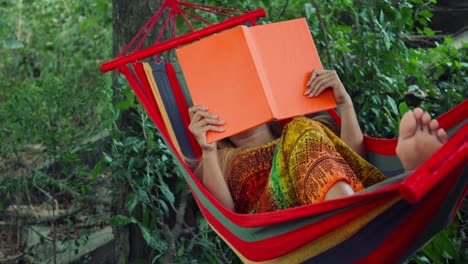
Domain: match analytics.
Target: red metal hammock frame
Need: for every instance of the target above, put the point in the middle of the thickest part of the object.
(177, 8)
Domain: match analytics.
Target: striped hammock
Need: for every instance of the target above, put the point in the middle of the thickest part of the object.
(385, 223)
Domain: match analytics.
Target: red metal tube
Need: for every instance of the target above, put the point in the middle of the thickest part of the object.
(173, 43)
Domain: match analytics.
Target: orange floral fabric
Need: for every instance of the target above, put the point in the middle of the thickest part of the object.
(297, 169)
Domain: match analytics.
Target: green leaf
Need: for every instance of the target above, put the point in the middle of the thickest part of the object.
(448, 41)
(266, 3)
(210, 258)
(107, 158)
(309, 10)
(403, 107)
(392, 104)
(164, 207)
(425, 13)
(120, 220)
(98, 168)
(167, 192)
(152, 239)
(12, 44)
(428, 32)
(181, 250)
(132, 201)
(146, 220)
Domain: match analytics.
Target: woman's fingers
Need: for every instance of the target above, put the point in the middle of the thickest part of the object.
(314, 74)
(202, 122)
(320, 89)
(201, 130)
(209, 121)
(211, 128)
(192, 110)
(320, 76)
(198, 112)
(199, 115)
(321, 84)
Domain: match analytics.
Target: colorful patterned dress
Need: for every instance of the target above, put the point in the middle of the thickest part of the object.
(297, 169)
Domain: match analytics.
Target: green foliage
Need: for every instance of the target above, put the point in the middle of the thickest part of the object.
(50, 86)
(156, 192)
(447, 247)
(54, 104)
(366, 45)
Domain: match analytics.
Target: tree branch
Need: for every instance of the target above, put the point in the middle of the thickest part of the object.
(324, 31)
(286, 3)
(54, 218)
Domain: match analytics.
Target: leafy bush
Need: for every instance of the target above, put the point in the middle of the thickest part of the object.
(158, 200)
(54, 103)
(366, 45)
(50, 85)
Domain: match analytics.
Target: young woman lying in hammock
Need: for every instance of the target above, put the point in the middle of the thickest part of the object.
(260, 171)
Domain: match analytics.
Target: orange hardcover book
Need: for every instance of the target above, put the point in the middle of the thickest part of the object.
(252, 75)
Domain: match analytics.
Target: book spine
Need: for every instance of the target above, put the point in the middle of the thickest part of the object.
(255, 53)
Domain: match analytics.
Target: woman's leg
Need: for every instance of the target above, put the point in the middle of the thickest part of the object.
(316, 170)
(339, 189)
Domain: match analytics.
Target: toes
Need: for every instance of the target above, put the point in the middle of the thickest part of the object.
(425, 121)
(418, 114)
(408, 125)
(442, 136)
(433, 126)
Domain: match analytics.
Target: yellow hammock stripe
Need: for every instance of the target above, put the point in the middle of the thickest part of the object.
(159, 101)
(324, 242)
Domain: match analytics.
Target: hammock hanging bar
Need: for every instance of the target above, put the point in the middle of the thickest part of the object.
(177, 41)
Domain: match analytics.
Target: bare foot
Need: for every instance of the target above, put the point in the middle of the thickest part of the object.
(420, 136)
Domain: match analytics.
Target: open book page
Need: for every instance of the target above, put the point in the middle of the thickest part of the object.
(256, 53)
(221, 74)
(288, 56)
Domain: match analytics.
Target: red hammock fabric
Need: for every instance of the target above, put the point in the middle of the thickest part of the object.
(434, 172)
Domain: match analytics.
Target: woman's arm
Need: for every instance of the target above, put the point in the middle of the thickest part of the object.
(212, 177)
(214, 180)
(351, 133)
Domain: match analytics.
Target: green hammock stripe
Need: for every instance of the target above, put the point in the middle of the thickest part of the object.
(455, 128)
(387, 182)
(442, 217)
(259, 233)
(388, 165)
(252, 234)
(183, 84)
